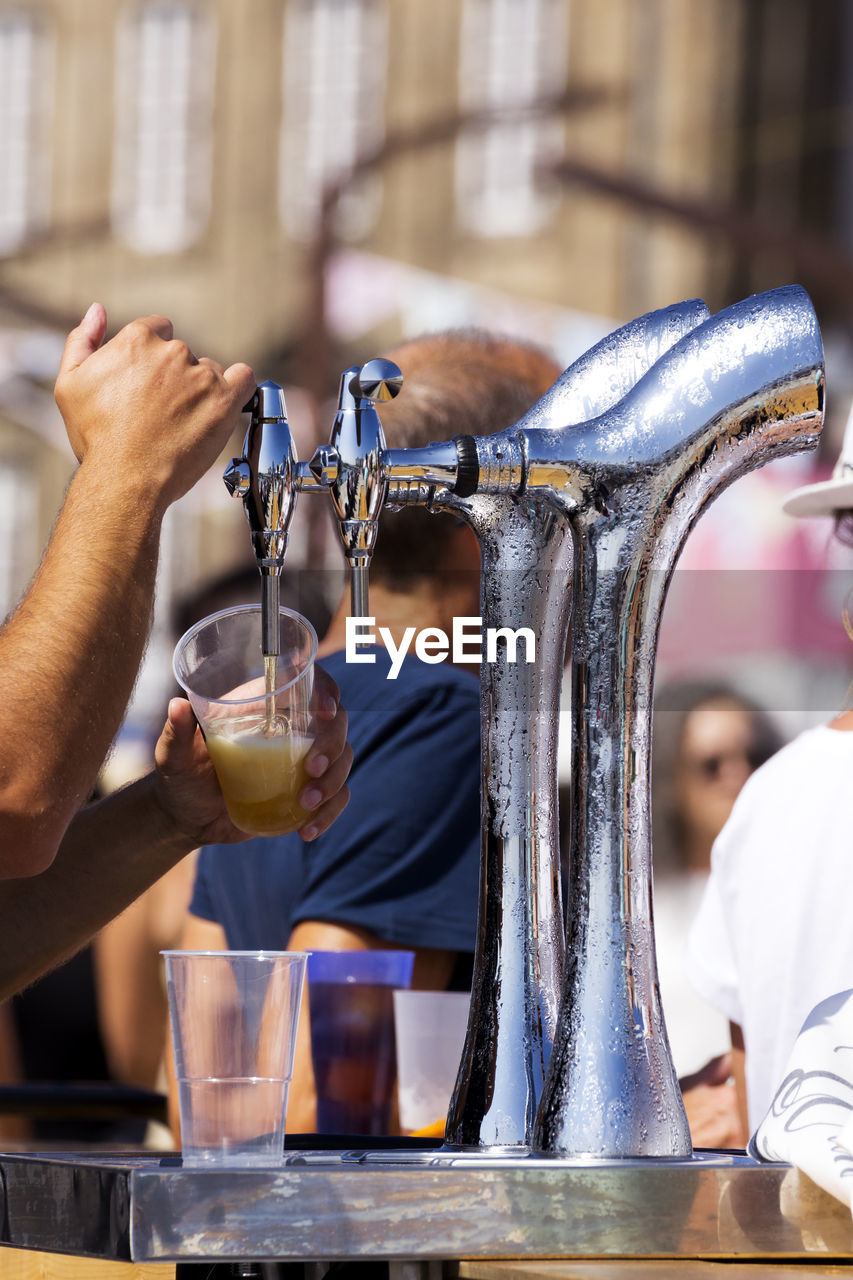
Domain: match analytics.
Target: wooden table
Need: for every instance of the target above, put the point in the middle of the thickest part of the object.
(17, 1264)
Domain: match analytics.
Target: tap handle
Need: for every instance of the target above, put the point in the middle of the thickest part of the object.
(377, 381)
(354, 465)
(265, 478)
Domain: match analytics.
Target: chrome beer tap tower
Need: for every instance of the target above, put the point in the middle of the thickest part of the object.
(581, 510)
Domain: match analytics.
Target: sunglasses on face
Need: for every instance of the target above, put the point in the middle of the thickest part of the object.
(711, 767)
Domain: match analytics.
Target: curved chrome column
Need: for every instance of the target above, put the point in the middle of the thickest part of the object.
(745, 387)
(527, 553)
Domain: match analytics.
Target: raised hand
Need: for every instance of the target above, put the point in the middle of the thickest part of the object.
(145, 406)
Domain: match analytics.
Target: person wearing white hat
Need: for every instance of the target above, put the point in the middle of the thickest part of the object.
(769, 941)
(832, 497)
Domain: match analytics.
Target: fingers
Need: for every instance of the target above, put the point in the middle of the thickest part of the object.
(329, 725)
(181, 719)
(159, 325)
(328, 764)
(89, 335)
(86, 338)
(176, 741)
(724, 1064)
(328, 745)
(83, 341)
(323, 817)
(718, 1070)
(326, 697)
(322, 788)
(242, 382)
(239, 378)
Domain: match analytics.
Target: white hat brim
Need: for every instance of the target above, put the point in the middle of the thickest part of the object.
(821, 499)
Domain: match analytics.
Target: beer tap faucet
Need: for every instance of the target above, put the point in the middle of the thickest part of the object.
(352, 467)
(265, 478)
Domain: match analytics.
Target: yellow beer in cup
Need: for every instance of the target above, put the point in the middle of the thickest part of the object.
(254, 712)
(261, 774)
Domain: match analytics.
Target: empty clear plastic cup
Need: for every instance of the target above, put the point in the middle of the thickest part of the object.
(233, 1016)
(352, 1037)
(257, 735)
(430, 1028)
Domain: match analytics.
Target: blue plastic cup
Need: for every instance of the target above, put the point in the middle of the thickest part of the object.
(350, 994)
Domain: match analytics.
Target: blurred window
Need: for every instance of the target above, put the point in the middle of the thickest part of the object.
(511, 53)
(26, 78)
(164, 124)
(335, 57)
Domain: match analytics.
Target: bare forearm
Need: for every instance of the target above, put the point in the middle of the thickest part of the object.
(111, 853)
(117, 848)
(68, 660)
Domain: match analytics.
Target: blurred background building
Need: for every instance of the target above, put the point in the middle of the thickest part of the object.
(299, 183)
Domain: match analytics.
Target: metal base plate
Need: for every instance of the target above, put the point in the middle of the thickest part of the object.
(418, 1205)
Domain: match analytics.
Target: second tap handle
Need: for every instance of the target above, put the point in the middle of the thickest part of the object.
(357, 481)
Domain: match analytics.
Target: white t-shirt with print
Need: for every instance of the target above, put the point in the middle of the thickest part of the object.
(774, 934)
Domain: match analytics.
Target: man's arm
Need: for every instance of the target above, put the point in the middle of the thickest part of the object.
(711, 1103)
(146, 420)
(432, 970)
(111, 852)
(115, 849)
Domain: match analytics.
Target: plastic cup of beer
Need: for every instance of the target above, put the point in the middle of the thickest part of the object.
(257, 730)
(233, 1016)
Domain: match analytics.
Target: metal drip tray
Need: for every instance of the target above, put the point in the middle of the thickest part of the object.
(454, 1158)
(417, 1205)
